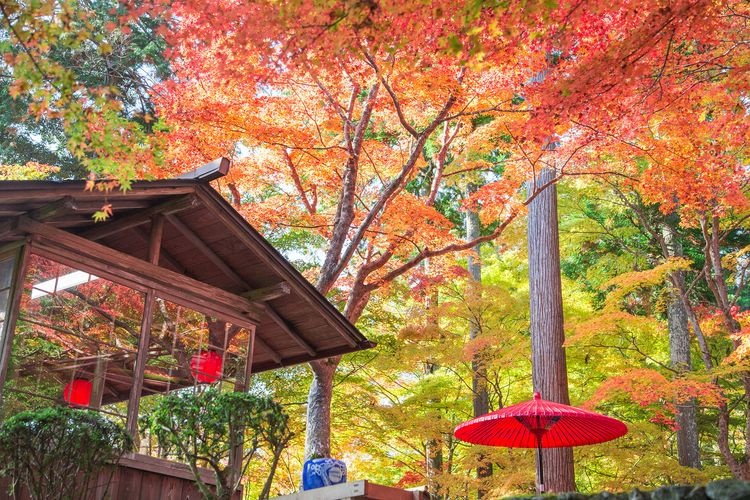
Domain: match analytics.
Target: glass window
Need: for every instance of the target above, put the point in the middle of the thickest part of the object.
(189, 350)
(75, 341)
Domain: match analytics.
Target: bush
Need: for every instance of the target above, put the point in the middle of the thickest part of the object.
(55, 452)
(203, 428)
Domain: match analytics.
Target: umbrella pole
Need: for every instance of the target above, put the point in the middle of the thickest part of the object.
(539, 464)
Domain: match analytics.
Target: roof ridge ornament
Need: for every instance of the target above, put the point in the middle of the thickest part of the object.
(208, 172)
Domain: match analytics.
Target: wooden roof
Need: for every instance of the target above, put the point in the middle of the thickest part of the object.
(204, 241)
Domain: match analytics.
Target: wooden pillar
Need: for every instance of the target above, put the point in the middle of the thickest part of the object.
(243, 381)
(11, 311)
(241, 385)
(157, 228)
(100, 378)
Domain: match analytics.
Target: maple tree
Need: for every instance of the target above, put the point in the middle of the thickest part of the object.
(629, 322)
(359, 167)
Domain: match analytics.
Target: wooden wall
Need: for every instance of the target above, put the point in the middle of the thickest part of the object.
(139, 477)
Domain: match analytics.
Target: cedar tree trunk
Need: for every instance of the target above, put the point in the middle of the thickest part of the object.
(549, 371)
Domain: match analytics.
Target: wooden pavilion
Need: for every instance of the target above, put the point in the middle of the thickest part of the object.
(131, 305)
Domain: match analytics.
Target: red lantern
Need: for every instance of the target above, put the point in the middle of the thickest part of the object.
(77, 392)
(206, 367)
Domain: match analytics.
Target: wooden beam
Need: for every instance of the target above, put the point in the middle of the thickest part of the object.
(204, 304)
(242, 380)
(141, 275)
(288, 329)
(280, 289)
(141, 217)
(198, 243)
(13, 209)
(274, 355)
(29, 191)
(140, 233)
(303, 358)
(100, 377)
(118, 204)
(154, 241)
(12, 308)
(64, 205)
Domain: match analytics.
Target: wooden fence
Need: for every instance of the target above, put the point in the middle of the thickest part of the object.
(138, 477)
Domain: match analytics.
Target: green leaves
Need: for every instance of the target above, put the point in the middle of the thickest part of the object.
(204, 427)
(45, 449)
(77, 91)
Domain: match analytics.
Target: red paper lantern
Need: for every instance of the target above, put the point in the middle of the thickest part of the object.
(77, 392)
(206, 367)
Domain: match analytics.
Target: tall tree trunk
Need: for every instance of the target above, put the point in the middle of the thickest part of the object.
(688, 449)
(549, 370)
(318, 435)
(434, 447)
(480, 397)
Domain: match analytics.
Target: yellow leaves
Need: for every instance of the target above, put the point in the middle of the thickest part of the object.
(731, 260)
(629, 282)
(479, 345)
(30, 171)
(608, 323)
(427, 331)
(740, 356)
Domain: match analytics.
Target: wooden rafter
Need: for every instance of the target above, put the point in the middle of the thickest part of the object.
(62, 205)
(198, 243)
(141, 217)
(286, 327)
(254, 241)
(280, 289)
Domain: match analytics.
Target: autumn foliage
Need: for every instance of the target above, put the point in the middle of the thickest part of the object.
(363, 132)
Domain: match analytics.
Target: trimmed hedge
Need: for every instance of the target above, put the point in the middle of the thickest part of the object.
(725, 489)
(55, 452)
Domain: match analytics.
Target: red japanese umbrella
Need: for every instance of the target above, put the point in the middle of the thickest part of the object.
(540, 424)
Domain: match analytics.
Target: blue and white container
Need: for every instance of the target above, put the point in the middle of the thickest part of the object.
(320, 472)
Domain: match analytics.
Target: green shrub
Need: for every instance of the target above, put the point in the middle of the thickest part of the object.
(204, 428)
(56, 452)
